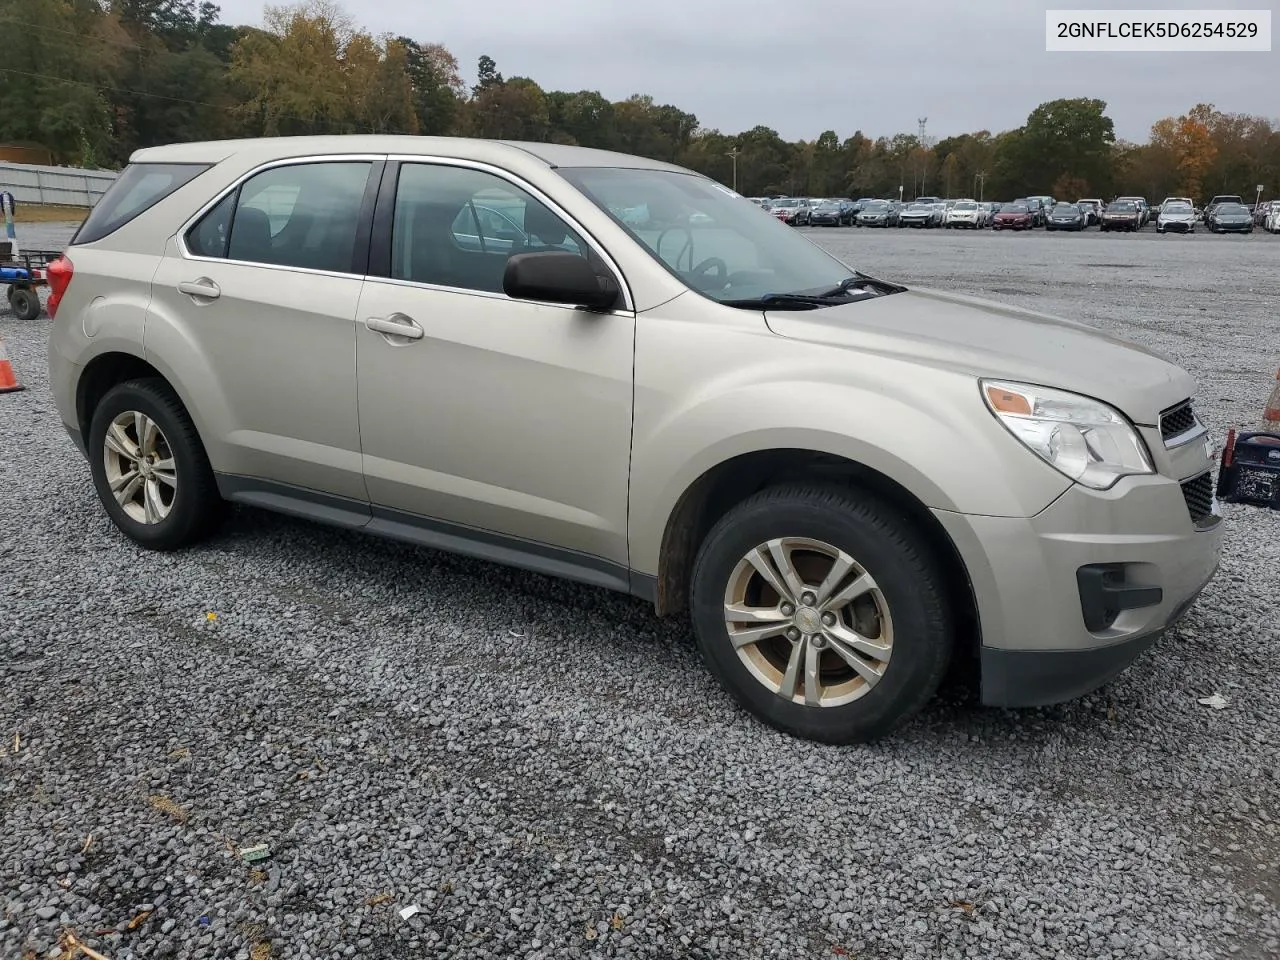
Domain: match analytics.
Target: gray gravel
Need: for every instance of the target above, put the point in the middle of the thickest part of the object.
(545, 770)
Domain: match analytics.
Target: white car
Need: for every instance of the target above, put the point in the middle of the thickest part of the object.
(1176, 216)
(963, 213)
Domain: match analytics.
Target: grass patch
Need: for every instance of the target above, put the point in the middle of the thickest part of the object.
(48, 213)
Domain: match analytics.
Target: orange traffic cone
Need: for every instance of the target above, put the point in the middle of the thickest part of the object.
(1271, 413)
(8, 382)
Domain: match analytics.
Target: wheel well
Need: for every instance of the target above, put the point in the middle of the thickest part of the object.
(719, 489)
(103, 373)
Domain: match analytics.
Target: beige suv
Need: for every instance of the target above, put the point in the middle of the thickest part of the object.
(617, 371)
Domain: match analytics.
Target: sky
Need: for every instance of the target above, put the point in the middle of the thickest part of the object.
(805, 66)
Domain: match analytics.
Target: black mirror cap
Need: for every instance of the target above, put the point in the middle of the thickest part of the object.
(557, 276)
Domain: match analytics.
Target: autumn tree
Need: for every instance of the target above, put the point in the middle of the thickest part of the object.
(1189, 141)
(310, 70)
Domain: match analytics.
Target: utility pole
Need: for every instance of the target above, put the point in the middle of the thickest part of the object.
(923, 122)
(981, 177)
(733, 155)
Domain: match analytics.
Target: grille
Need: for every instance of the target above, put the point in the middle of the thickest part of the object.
(1198, 492)
(1177, 420)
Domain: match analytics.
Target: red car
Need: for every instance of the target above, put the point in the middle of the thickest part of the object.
(1016, 216)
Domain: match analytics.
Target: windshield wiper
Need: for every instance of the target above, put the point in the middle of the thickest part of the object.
(811, 301)
(783, 299)
(861, 279)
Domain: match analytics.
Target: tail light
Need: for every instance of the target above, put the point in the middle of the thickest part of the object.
(59, 272)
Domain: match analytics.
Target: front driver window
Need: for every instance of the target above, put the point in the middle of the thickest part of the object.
(456, 227)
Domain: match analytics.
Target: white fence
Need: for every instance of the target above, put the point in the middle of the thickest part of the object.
(66, 185)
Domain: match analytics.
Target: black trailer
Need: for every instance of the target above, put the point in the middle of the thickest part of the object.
(22, 274)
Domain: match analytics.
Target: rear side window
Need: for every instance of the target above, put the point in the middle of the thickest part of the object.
(304, 215)
(140, 187)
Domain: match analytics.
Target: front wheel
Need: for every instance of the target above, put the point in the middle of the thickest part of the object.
(823, 612)
(150, 468)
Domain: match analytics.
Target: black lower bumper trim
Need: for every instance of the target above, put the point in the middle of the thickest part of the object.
(1038, 678)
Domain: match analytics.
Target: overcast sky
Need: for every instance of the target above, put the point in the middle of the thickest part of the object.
(804, 66)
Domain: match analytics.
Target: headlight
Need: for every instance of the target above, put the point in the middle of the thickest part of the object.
(1087, 441)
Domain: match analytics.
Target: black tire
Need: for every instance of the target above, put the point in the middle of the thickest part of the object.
(891, 548)
(25, 302)
(196, 506)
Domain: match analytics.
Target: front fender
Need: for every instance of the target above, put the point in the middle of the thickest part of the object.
(924, 428)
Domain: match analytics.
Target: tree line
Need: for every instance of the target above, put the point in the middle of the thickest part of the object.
(93, 80)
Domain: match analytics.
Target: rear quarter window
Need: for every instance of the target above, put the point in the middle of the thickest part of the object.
(140, 187)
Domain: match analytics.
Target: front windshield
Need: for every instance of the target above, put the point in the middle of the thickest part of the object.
(786, 203)
(920, 207)
(876, 206)
(1121, 208)
(1231, 209)
(1177, 208)
(965, 206)
(1016, 208)
(1065, 208)
(729, 253)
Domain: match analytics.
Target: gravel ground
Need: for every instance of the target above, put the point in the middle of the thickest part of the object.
(545, 770)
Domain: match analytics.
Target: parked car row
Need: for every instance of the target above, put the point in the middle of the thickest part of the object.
(1223, 214)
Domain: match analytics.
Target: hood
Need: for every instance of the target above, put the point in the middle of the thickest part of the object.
(1012, 215)
(986, 339)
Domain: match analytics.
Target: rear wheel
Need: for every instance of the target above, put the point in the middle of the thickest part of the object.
(823, 612)
(150, 468)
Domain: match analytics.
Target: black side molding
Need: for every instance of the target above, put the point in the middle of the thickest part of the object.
(436, 534)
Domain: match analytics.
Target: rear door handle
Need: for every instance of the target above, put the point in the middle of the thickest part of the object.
(202, 289)
(396, 325)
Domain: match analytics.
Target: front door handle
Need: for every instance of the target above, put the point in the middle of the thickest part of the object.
(396, 325)
(202, 289)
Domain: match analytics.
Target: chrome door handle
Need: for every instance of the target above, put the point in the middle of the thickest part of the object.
(204, 288)
(396, 325)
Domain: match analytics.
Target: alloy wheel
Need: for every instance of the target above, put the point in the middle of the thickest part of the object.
(808, 621)
(140, 467)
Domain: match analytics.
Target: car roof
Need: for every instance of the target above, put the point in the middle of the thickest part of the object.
(266, 149)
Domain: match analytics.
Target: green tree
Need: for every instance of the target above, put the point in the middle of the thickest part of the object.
(437, 88)
(1062, 137)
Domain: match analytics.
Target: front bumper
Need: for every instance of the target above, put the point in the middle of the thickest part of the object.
(1176, 226)
(1037, 647)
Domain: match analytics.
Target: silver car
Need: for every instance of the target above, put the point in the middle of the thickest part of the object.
(844, 483)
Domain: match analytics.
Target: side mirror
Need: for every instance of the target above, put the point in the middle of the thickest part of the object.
(557, 276)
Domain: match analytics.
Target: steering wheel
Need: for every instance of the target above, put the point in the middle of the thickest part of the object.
(687, 249)
(698, 275)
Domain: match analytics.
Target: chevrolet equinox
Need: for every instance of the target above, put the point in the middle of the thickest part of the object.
(618, 371)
